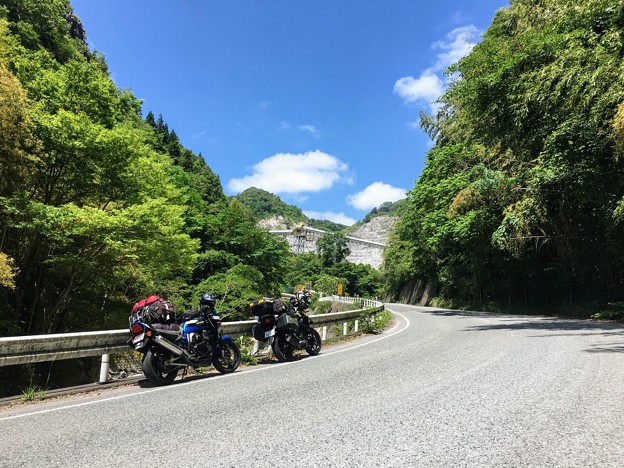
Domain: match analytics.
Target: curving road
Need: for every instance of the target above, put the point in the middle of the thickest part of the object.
(439, 388)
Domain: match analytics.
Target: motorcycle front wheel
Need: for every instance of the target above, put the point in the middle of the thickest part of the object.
(226, 357)
(282, 349)
(156, 369)
(314, 342)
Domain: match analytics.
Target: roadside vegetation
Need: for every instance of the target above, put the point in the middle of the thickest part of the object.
(101, 204)
(100, 207)
(520, 206)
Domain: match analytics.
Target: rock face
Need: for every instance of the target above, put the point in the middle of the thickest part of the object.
(376, 230)
(274, 223)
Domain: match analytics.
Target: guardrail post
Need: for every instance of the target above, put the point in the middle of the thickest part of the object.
(345, 327)
(104, 368)
(324, 334)
(356, 325)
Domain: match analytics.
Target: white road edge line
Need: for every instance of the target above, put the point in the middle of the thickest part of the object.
(222, 376)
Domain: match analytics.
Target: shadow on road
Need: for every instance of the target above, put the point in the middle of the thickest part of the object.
(213, 373)
(557, 327)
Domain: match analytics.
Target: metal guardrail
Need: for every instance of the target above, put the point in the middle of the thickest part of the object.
(364, 303)
(40, 348)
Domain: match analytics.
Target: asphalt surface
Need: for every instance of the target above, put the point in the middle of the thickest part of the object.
(438, 388)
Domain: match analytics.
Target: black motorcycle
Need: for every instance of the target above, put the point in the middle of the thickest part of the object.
(194, 340)
(286, 328)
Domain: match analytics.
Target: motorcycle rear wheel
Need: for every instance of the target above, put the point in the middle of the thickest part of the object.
(282, 349)
(226, 358)
(314, 342)
(156, 370)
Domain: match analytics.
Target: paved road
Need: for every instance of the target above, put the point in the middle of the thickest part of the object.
(437, 389)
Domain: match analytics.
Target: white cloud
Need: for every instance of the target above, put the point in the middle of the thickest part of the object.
(291, 174)
(460, 17)
(430, 85)
(309, 128)
(331, 216)
(427, 87)
(374, 195)
(413, 124)
(459, 42)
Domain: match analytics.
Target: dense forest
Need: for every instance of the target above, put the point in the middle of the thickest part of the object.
(100, 206)
(520, 204)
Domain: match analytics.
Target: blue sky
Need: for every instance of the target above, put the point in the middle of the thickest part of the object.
(315, 101)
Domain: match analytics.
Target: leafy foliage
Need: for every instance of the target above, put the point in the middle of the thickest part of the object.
(385, 209)
(332, 248)
(7, 273)
(98, 206)
(357, 279)
(374, 323)
(264, 205)
(519, 202)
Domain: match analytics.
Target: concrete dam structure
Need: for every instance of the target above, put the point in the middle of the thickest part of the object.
(302, 239)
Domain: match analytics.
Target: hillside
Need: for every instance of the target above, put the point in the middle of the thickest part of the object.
(273, 213)
(387, 210)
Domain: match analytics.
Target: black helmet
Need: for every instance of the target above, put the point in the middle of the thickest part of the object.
(208, 300)
(303, 296)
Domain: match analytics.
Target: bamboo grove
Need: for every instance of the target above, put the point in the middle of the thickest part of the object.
(520, 204)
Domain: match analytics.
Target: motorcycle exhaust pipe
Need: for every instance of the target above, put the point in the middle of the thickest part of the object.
(173, 348)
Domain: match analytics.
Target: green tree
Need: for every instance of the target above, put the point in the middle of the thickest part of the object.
(7, 273)
(529, 201)
(92, 214)
(231, 237)
(17, 141)
(332, 248)
(328, 284)
(303, 269)
(236, 289)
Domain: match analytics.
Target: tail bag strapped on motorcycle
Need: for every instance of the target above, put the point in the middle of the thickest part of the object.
(153, 309)
(265, 306)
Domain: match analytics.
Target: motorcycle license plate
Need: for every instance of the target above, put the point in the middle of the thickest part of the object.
(137, 339)
(270, 333)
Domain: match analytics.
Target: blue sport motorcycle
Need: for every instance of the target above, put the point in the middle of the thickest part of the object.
(194, 340)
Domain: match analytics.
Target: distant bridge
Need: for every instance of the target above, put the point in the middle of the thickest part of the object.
(302, 239)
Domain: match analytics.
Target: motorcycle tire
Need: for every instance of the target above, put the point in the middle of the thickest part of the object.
(282, 349)
(226, 357)
(314, 342)
(156, 370)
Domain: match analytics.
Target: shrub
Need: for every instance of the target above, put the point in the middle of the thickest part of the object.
(376, 323)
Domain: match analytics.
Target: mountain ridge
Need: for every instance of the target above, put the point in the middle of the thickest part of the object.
(272, 213)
